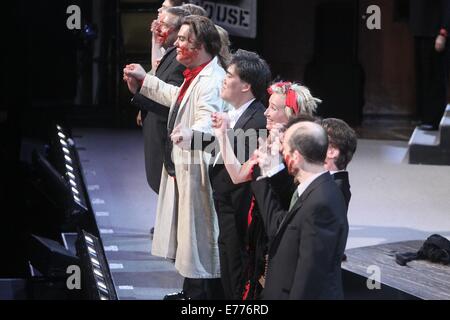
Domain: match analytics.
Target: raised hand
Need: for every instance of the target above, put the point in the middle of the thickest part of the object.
(134, 71)
(439, 44)
(268, 155)
(139, 119)
(220, 122)
(132, 83)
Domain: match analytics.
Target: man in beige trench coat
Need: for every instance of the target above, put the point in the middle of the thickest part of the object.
(186, 227)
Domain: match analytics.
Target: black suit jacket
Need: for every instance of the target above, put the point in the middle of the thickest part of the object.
(284, 186)
(341, 179)
(155, 117)
(306, 243)
(426, 17)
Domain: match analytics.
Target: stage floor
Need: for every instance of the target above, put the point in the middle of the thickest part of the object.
(391, 201)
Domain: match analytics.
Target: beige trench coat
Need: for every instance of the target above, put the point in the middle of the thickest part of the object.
(186, 227)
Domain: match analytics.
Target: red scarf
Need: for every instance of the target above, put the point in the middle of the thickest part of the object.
(189, 75)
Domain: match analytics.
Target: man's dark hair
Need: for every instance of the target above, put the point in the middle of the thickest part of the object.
(311, 141)
(254, 70)
(342, 137)
(179, 13)
(176, 3)
(206, 33)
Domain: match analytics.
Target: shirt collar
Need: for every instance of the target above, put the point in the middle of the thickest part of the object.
(235, 114)
(305, 184)
(333, 172)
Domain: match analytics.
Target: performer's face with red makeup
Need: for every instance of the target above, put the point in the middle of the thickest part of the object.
(187, 50)
(165, 34)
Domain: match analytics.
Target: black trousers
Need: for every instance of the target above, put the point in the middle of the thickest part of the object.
(231, 251)
(431, 80)
(203, 289)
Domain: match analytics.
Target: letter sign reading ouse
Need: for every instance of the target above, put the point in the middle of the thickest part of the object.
(238, 17)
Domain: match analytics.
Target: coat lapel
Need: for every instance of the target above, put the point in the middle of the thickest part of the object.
(166, 61)
(206, 71)
(247, 115)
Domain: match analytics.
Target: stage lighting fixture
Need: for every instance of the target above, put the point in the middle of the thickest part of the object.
(68, 159)
(97, 277)
(66, 156)
(61, 135)
(50, 181)
(50, 257)
(60, 191)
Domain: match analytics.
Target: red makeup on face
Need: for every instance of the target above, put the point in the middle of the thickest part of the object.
(161, 36)
(187, 53)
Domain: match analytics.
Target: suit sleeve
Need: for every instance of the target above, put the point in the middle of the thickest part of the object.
(145, 104)
(207, 101)
(175, 77)
(316, 250)
(283, 185)
(270, 208)
(159, 91)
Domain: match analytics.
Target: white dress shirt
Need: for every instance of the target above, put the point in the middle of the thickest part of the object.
(305, 184)
(234, 115)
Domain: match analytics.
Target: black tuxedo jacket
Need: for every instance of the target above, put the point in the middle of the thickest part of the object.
(341, 179)
(284, 186)
(306, 243)
(155, 116)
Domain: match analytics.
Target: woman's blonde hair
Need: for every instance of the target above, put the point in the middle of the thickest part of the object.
(307, 104)
(224, 54)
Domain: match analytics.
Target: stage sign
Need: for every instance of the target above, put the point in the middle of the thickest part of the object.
(238, 17)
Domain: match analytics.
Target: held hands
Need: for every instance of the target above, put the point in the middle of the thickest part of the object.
(182, 136)
(135, 71)
(156, 39)
(439, 44)
(154, 25)
(220, 123)
(268, 155)
(139, 119)
(133, 75)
